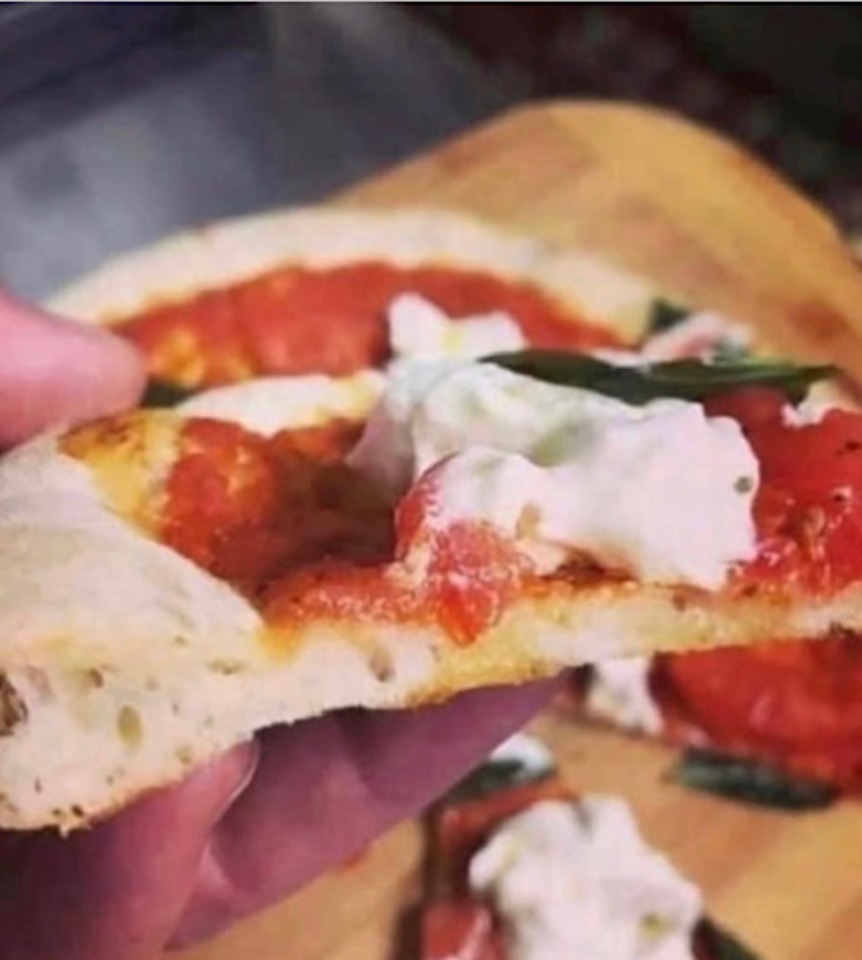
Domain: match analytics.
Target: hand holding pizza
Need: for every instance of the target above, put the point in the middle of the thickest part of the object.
(250, 827)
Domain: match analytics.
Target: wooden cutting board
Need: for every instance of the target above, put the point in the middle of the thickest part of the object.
(705, 219)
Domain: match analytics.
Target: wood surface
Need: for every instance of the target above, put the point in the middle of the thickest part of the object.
(708, 221)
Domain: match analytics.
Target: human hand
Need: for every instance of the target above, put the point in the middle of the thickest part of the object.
(257, 823)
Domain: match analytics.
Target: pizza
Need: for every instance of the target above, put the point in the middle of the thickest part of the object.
(232, 301)
(521, 867)
(488, 472)
(791, 708)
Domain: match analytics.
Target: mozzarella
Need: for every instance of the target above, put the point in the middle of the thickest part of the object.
(577, 880)
(269, 404)
(659, 491)
(619, 691)
(418, 330)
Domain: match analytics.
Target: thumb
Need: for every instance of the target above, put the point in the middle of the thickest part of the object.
(114, 892)
(53, 370)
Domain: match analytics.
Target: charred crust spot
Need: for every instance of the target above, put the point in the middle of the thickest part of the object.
(13, 709)
(680, 602)
(226, 667)
(380, 662)
(840, 634)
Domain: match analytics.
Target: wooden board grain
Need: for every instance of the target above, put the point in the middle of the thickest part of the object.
(707, 221)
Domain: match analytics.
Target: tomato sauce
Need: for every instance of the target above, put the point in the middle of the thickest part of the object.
(796, 704)
(462, 929)
(460, 577)
(808, 509)
(245, 507)
(296, 321)
(472, 575)
(292, 525)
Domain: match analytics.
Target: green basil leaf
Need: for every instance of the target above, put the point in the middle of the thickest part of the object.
(163, 393)
(682, 379)
(750, 781)
(715, 943)
(665, 314)
(491, 777)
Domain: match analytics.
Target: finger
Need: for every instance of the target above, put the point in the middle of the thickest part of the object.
(325, 788)
(53, 370)
(114, 892)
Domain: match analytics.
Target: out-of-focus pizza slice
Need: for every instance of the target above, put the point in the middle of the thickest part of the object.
(775, 724)
(334, 292)
(521, 867)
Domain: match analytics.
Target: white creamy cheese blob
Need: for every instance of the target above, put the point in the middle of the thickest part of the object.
(419, 330)
(619, 691)
(269, 404)
(659, 491)
(578, 881)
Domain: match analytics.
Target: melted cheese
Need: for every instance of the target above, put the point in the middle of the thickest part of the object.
(418, 330)
(658, 491)
(577, 880)
(619, 692)
(269, 404)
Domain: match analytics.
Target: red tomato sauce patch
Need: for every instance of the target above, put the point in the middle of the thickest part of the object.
(297, 321)
(798, 704)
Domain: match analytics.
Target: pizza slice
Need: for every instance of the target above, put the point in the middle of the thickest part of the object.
(521, 866)
(776, 724)
(173, 580)
(170, 582)
(329, 291)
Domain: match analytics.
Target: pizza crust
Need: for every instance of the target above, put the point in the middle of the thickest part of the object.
(235, 250)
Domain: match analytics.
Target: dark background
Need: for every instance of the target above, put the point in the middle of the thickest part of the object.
(120, 122)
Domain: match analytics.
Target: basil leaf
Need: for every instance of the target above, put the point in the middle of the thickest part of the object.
(163, 393)
(683, 379)
(493, 776)
(750, 781)
(665, 314)
(714, 943)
